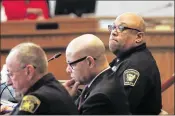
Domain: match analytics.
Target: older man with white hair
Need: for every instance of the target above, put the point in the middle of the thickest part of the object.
(28, 74)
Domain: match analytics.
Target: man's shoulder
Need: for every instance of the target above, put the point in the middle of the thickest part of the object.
(142, 58)
(107, 95)
(141, 55)
(49, 91)
(52, 92)
(108, 86)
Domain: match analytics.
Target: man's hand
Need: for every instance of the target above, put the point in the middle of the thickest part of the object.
(72, 87)
(5, 109)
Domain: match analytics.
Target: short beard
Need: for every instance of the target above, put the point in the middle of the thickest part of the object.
(88, 81)
(116, 52)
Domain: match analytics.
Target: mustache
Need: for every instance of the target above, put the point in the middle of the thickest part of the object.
(112, 38)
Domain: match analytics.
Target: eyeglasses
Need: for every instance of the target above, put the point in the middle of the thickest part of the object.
(9, 74)
(77, 61)
(120, 28)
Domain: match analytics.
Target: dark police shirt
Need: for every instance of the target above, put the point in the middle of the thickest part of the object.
(47, 96)
(139, 73)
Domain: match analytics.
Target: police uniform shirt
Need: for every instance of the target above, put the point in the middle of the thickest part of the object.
(47, 96)
(140, 76)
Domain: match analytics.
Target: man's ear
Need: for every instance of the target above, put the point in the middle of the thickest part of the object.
(139, 37)
(30, 71)
(90, 61)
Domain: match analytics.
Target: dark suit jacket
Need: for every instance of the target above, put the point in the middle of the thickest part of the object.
(105, 96)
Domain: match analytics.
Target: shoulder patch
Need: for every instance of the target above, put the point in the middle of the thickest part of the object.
(130, 77)
(29, 103)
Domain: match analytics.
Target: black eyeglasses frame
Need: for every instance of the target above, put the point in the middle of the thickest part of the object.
(121, 28)
(77, 61)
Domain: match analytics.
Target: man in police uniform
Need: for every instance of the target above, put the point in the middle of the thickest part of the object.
(43, 94)
(135, 65)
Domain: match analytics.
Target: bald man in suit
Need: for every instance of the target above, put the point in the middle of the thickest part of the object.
(87, 65)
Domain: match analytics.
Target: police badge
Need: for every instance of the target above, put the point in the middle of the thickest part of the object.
(130, 77)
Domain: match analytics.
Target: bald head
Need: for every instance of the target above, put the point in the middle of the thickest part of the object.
(132, 20)
(129, 32)
(86, 45)
(86, 58)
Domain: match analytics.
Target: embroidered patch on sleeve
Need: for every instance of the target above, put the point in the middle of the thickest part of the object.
(30, 104)
(130, 77)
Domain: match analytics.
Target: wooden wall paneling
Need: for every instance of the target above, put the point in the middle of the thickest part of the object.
(168, 100)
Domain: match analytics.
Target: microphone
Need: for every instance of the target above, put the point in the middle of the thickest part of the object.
(55, 56)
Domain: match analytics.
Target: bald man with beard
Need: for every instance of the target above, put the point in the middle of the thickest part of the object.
(87, 65)
(135, 65)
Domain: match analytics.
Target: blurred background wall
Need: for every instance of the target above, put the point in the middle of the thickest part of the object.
(145, 8)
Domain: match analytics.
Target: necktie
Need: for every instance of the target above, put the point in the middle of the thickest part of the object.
(82, 96)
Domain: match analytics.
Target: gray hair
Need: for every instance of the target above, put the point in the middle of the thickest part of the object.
(30, 53)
